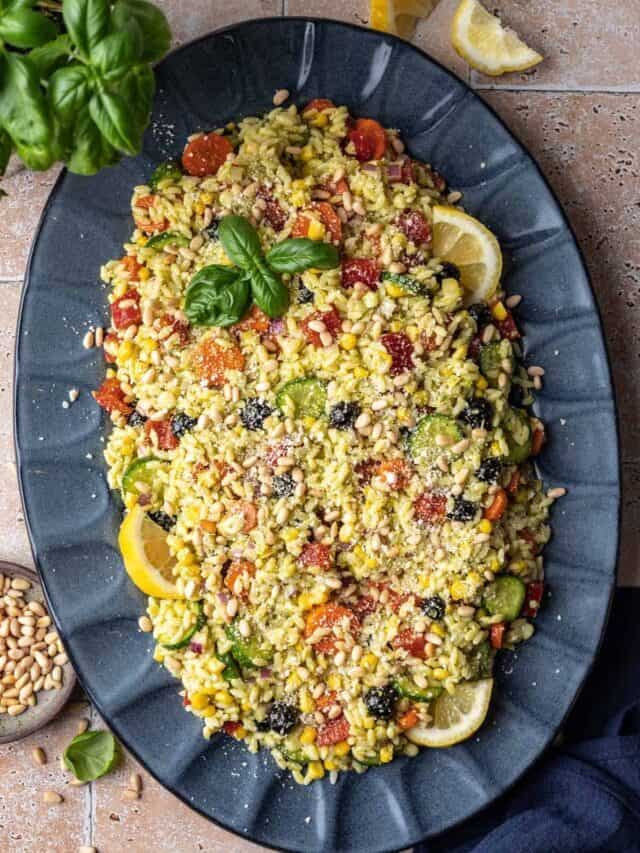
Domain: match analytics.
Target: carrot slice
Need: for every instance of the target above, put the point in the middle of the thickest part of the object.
(205, 154)
(319, 104)
(368, 138)
(497, 507)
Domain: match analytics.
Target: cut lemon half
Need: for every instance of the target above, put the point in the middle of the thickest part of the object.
(455, 716)
(465, 242)
(399, 16)
(146, 555)
(486, 45)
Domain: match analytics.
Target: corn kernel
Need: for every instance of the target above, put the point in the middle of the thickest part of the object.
(308, 736)
(298, 184)
(499, 312)
(130, 500)
(474, 578)
(304, 601)
(224, 698)
(193, 513)
(495, 565)
(370, 661)
(298, 198)
(394, 291)
(158, 655)
(481, 383)
(440, 674)
(368, 722)
(320, 120)
(209, 711)
(316, 770)
(342, 748)
(458, 590)
(436, 629)
(413, 332)
(120, 289)
(329, 764)
(348, 342)
(334, 682)
(206, 198)
(460, 353)
(148, 345)
(386, 754)
(360, 372)
(316, 230)
(424, 580)
(294, 681)
(240, 732)
(199, 701)
(141, 241)
(199, 207)
(496, 450)
(485, 526)
(306, 153)
(307, 704)
(126, 350)
(144, 274)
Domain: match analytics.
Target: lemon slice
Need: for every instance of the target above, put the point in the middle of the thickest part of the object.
(465, 242)
(146, 555)
(399, 16)
(455, 717)
(486, 45)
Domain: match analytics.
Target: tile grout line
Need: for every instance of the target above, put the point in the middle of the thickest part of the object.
(10, 281)
(557, 90)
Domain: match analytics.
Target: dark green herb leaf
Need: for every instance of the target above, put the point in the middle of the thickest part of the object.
(116, 122)
(49, 57)
(91, 755)
(24, 113)
(90, 151)
(87, 22)
(137, 88)
(117, 53)
(300, 254)
(217, 296)
(269, 293)
(23, 27)
(69, 91)
(152, 22)
(164, 172)
(240, 241)
(6, 147)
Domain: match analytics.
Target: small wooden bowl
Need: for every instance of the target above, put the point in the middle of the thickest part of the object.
(49, 702)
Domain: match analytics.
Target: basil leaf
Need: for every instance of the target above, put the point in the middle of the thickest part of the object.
(117, 52)
(6, 147)
(240, 241)
(49, 57)
(69, 91)
(116, 121)
(269, 293)
(23, 109)
(90, 151)
(152, 23)
(91, 754)
(217, 296)
(137, 88)
(87, 21)
(301, 253)
(25, 28)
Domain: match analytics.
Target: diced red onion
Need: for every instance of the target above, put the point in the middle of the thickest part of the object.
(370, 167)
(196, 648)
(223, 598)
(394, 173)
(277, 326)
(265, 672)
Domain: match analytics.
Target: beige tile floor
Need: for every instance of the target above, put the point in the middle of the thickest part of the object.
(579, 114)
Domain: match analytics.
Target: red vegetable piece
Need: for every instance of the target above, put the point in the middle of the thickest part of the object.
(132, 266)
(496, 634)
(164, 434)
(368, 138)
(414, 226)
(331, 320)
(319, 104)
(430, 507)
(333, 731)
(400, 348)
(205, 154)
(231, 727)
(125, 311)
(273, 212)
(537, 441)
(535, 591)
(508, 328)
(408, 173)
(111, 397)
(360, 269)
(316, 554)
(178, 327)
(411, 642)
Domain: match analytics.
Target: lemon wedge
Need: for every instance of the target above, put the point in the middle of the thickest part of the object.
(465, 242)
(486, 45)
(455, 716)
(399, 16)
(146, 555)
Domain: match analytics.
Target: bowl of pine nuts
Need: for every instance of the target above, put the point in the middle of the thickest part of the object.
(36, 677)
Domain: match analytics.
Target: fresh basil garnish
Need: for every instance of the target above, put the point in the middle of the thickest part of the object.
(269, 293)
(91, 755)
(301, 253)
(217, 296)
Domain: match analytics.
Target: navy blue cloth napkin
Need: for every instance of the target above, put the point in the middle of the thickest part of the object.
(584, 796)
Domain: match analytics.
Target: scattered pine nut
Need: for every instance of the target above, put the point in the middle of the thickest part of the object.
(85, 849)
(82, 726)
(558, 492)
(88, 340)
(135, 782)
(129, 794)
(52, 798)
(280, 97)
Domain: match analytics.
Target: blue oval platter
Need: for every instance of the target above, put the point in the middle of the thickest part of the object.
(73, 519)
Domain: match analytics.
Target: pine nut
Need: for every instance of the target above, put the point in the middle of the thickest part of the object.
(135, 782)
(38, 755)
(52, 798)
(280, 97)
(88, 340)
(128, 794)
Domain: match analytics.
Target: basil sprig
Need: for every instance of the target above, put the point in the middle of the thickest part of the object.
(91, 755)
(217, 296)
(220, 296)
(83, 96)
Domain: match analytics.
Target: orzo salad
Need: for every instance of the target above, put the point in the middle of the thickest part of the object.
(322, 439)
